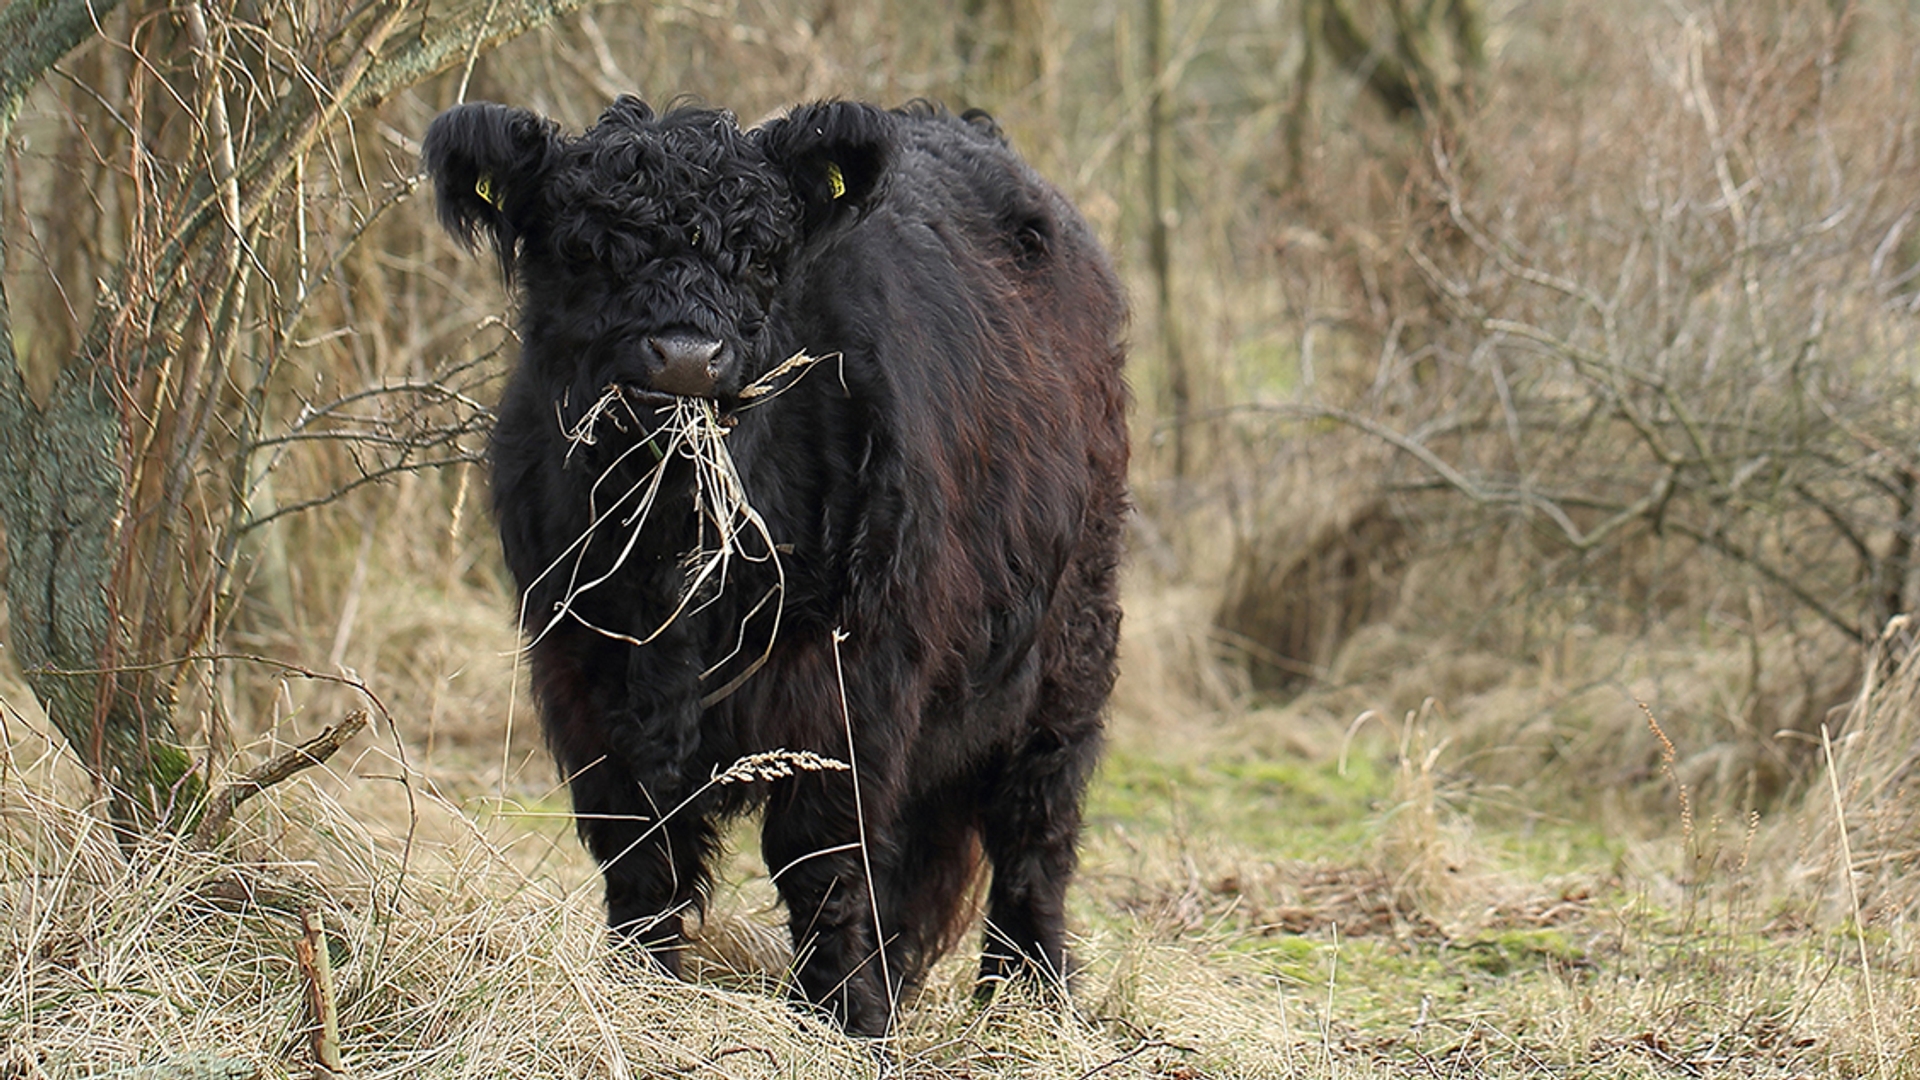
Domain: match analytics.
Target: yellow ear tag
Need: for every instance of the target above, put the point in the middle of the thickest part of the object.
(836, 181)
(484, 188)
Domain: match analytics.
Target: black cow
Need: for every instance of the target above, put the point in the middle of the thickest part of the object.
(944, 492)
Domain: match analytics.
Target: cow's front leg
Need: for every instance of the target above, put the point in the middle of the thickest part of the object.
(653, 852)
(655, 869)
(812, 845)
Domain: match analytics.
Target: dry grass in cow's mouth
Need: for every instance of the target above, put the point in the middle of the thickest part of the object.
(729, 528)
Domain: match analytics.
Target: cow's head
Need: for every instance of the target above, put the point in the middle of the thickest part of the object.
(649, 250)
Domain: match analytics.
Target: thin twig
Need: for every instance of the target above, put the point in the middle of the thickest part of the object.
(1853, 900)
(860, 823)
(1139, 1048)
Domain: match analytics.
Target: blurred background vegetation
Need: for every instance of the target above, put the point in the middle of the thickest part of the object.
(1525, 357)
(1532, 359)
(1501, 368)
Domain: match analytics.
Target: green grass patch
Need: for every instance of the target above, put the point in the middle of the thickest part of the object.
(1285, 808)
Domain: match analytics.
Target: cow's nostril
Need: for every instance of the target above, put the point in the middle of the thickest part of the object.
(688, 364)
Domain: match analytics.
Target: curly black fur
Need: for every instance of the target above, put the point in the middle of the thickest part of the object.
(947, 489)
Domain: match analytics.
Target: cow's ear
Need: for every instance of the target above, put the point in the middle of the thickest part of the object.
(835, 155)
(488, 162)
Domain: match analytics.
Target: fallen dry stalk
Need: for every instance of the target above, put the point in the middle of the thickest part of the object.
(314, 751)
(316, 965)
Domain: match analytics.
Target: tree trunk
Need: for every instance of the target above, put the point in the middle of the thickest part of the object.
(1420, 61)
(61, 499)
(60, 496)
(1161, 212)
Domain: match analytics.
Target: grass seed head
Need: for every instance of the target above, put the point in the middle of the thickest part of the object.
(777, 765)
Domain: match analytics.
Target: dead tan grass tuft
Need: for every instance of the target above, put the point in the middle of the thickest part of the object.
(1868, 803)
(449, 958)
(1426, 845)
(1301, 585)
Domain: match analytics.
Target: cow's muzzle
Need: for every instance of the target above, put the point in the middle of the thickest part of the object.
(685, 365)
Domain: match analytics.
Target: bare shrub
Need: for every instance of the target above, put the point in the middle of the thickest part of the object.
(1642, 326)
(215, 244)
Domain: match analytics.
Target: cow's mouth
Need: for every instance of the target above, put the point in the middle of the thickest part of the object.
(643, 400)
(638, 411)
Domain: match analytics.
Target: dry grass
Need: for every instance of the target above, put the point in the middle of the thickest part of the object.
(729, 528)
(1873, 815)
(464, 949)
(1406, 939)
(454, 965)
